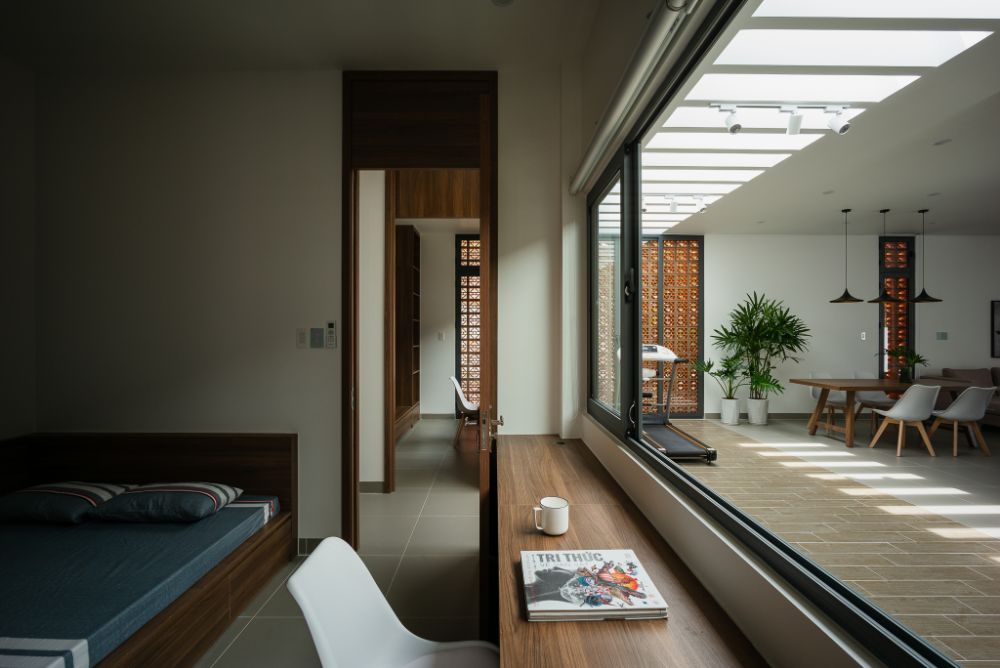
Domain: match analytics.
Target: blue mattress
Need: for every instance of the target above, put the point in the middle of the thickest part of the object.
(70, 595)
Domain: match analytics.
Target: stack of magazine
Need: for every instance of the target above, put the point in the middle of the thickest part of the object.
(563, 585)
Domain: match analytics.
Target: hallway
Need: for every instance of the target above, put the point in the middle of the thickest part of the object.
(421, 543)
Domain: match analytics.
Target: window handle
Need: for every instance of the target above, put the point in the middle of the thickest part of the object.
(629, 285)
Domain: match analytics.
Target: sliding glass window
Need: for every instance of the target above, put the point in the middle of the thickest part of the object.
(732, 184)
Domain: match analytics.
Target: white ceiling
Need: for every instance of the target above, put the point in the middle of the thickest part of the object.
(127, 35)
(889, 159)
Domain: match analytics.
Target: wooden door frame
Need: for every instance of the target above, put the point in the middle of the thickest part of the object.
(488, 187)
(389, 386)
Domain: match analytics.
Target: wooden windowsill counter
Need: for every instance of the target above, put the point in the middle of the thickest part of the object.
(698, 632)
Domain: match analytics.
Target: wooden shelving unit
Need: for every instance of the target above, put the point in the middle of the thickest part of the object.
(407, 328)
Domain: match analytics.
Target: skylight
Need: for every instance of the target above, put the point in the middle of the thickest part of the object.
(888, 9)
(765, 118)
(740, 142)
(657, 159)
(690, 188)
(738, 175)
(804, 88)
(854, 48)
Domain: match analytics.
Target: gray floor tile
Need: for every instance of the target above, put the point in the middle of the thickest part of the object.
(270, 642)
(222, 644)
(452, 501)
(443, 629)
(456, 534)
(415, 479)
(404, 501)
(386, 534)
(382, 569)
(281, 604)
(445, 586)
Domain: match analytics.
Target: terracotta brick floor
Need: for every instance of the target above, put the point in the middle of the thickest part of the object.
(919, 536)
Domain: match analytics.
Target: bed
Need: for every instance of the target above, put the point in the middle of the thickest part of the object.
(119, 594)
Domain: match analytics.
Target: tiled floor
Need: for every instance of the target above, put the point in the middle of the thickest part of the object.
(917, 535)
(413, 540)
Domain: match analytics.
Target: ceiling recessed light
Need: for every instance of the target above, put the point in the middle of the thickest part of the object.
(849, 48)
(882, 9)
(676, 159)
(791, 88)
(759, 222)
(829, 192)
(933, 194)
(740, 142)
(941, 142)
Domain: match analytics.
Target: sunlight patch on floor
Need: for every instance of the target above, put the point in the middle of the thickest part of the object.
(865, 476)
(941, 510)
(895, 491)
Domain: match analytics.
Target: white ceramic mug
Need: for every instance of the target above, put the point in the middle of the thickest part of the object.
(554, 511)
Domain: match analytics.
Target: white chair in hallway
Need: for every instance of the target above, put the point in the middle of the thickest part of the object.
(468, 412)
(871, 400)
(967, 410)
(353, 626)
(911, 410)
(835, 401)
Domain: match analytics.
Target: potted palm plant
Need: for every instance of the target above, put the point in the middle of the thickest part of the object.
(729, 375)
(910, 359)
(762, 333)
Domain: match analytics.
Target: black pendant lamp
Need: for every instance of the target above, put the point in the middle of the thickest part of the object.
(923, 297)
(885, 297)
(847, 297)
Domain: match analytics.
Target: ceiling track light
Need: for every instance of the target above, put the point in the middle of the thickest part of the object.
(847, 297)
(837, 122)
(732, 120)
(923, 297)
(794, 120)
(884, 297)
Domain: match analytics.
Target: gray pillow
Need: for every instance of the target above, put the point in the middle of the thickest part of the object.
(168, 502)
(57, 503)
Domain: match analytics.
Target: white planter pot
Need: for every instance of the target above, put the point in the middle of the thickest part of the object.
(730, 411)
(757, 411)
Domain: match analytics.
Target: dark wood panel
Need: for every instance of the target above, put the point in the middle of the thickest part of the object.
(402, 121)
(438, 193)
(389, 336)
(698, 632)
(257, 463)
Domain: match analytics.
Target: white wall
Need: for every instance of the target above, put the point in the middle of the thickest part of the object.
(530, 249)
(187, 225)
(961, 270)
(807, 271)
(371, 324)
(437, 315)
(17, 251)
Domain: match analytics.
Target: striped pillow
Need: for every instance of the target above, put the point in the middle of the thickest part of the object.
(168, 502)
(59, 502)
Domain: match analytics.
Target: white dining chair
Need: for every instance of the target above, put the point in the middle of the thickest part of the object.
(836, 400)
(967, 410)
(911, 410)
(871, 400)
(468, 412)
(353, 626)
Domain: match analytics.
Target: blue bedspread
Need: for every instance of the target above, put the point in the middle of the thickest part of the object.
(73, 594)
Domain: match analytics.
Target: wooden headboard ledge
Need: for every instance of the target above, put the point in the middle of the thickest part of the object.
(257, 463)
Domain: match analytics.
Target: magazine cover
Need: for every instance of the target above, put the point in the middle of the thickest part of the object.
(585, 584)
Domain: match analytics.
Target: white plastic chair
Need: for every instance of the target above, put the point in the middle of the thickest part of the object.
(871, 400)
(836, 400)
(967, 410)
(911, 410)
(469, 411)
(353, 626)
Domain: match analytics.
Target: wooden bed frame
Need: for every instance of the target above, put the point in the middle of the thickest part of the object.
(257, 463)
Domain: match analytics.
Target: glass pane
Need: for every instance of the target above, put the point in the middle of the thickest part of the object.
(607, 316)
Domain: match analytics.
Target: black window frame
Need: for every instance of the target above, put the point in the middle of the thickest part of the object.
(884, 637)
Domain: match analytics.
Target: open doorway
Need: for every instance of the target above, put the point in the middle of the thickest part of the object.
(409, 128)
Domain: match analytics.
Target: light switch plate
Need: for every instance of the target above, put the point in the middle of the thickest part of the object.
(301, 337)
(942, 336)
(331, 335)
(864, 336)
(316, 337)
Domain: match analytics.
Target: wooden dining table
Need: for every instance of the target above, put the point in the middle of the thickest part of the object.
(850, 387)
